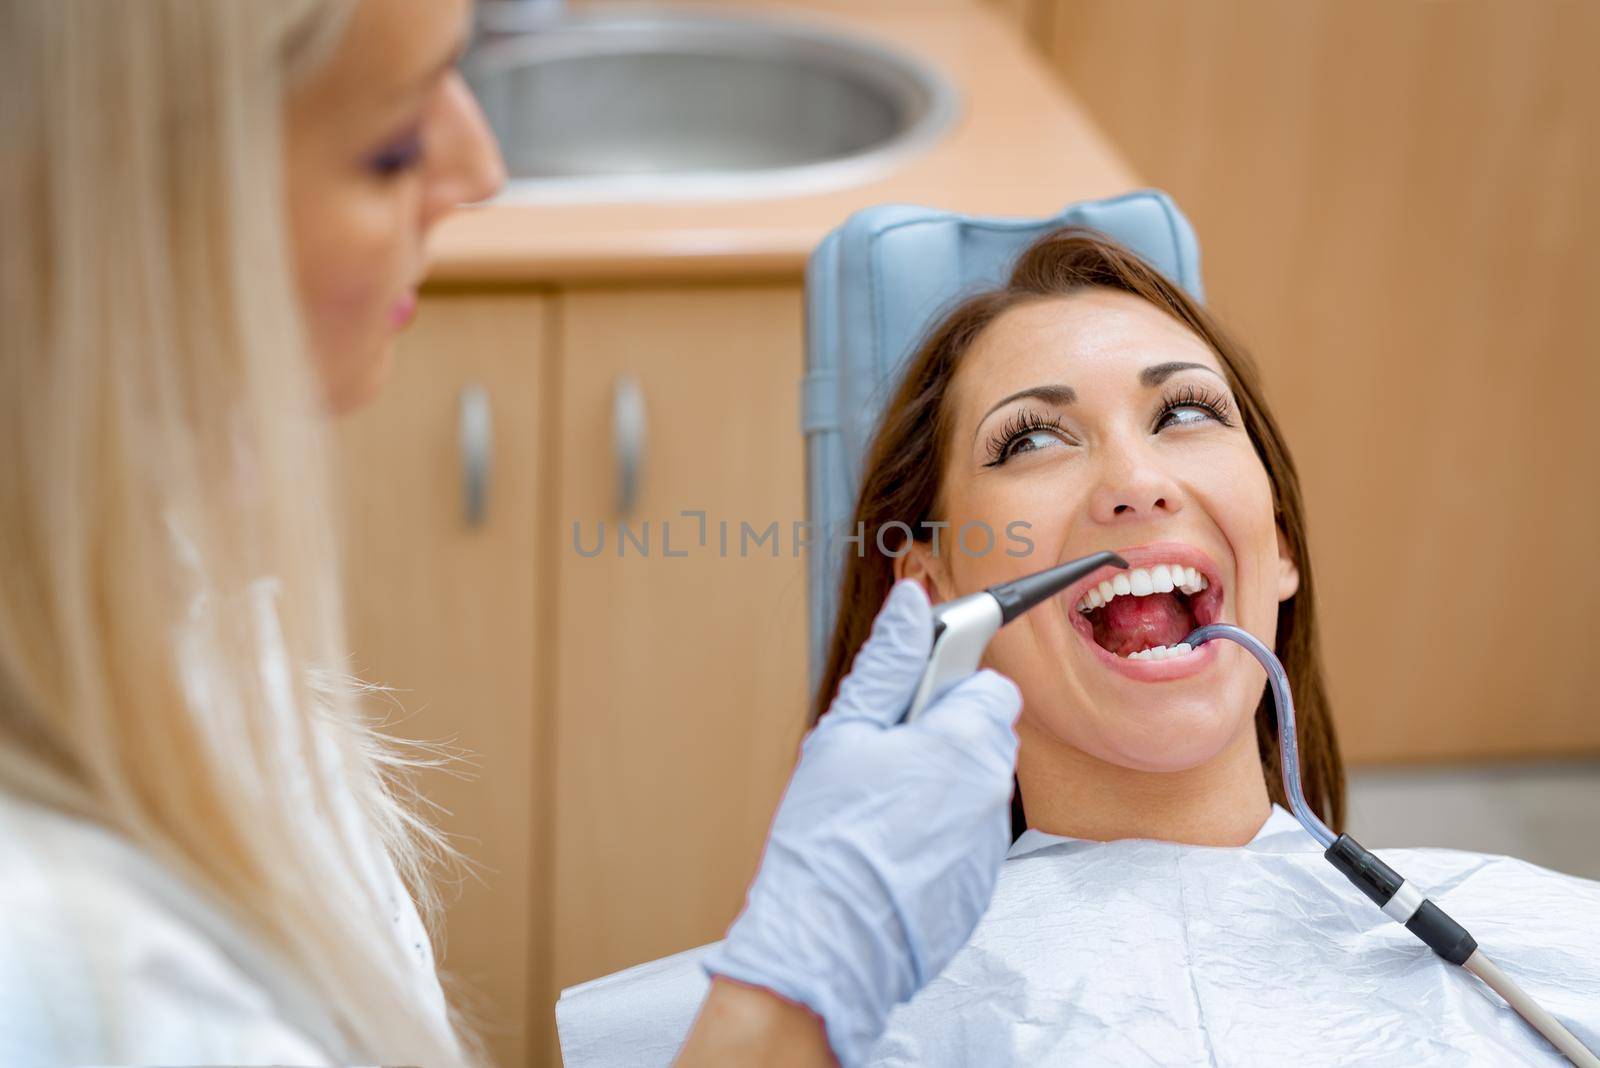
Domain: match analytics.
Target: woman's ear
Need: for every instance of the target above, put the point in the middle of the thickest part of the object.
(920, 562)
(1288, 570)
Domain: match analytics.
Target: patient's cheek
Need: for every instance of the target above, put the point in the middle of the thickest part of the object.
(1024, 656)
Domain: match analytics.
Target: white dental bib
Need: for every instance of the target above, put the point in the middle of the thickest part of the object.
(1139, 952)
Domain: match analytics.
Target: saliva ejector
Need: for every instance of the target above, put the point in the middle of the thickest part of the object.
(1400, 900)
(962, 629)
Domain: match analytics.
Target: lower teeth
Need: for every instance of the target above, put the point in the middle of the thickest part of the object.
(1162, 652)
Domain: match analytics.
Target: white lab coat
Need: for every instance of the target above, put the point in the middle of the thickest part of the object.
(108, 958)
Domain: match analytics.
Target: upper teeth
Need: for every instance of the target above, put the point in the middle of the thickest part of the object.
(1141, 582)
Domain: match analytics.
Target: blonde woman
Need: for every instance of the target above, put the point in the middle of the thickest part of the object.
(214, 217)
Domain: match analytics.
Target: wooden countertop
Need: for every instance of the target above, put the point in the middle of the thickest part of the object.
(1022, 145)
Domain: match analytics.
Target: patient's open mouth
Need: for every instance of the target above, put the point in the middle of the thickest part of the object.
(1145, 613)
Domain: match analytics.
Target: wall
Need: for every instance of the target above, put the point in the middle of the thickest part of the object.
(1395, 213)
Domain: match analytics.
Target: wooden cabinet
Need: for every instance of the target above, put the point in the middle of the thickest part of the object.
(680, 692)
(631, 718)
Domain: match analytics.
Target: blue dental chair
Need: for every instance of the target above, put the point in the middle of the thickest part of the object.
(874, 287)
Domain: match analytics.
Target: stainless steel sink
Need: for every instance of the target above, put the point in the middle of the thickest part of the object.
(630, 102)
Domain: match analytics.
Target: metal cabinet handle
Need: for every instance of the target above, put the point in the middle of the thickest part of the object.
(628, 440)
(475, 436)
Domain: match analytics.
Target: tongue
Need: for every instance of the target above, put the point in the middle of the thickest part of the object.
(1129, 624)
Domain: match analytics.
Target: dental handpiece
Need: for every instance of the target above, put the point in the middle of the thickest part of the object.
(1400, 900)
(963, 627)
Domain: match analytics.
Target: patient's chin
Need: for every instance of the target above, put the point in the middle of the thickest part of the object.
(1160, 737)
(1174, 755)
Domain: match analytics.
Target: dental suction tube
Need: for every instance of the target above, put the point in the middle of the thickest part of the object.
(1399, 900)
(1283, 700)
(962, 627)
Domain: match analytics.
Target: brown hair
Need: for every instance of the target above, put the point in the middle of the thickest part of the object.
(901, 486)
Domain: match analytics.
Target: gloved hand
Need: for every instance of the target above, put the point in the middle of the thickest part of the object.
(885, 850)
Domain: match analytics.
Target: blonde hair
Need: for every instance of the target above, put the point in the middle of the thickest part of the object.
(170, 618)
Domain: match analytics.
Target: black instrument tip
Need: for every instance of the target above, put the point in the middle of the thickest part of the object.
(1017, 596)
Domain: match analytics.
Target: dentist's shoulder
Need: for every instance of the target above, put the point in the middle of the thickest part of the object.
(83, 912)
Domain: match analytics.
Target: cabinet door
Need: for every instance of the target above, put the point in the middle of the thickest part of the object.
(442, 609)
(680, 696)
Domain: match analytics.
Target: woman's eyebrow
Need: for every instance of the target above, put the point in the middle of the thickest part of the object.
(449, 59)
(1050, 394)
(1158, 373)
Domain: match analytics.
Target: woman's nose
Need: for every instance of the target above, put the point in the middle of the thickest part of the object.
(468, 162)
(1132, 488)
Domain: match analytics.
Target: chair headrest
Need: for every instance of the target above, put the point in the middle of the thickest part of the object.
(875, 286)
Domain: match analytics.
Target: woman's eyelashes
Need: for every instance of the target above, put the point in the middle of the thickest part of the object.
(1027, 430)
(1199, 403)
(1024, 427)
(398, 156)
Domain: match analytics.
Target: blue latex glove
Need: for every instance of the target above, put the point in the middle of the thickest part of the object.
(885, 851)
